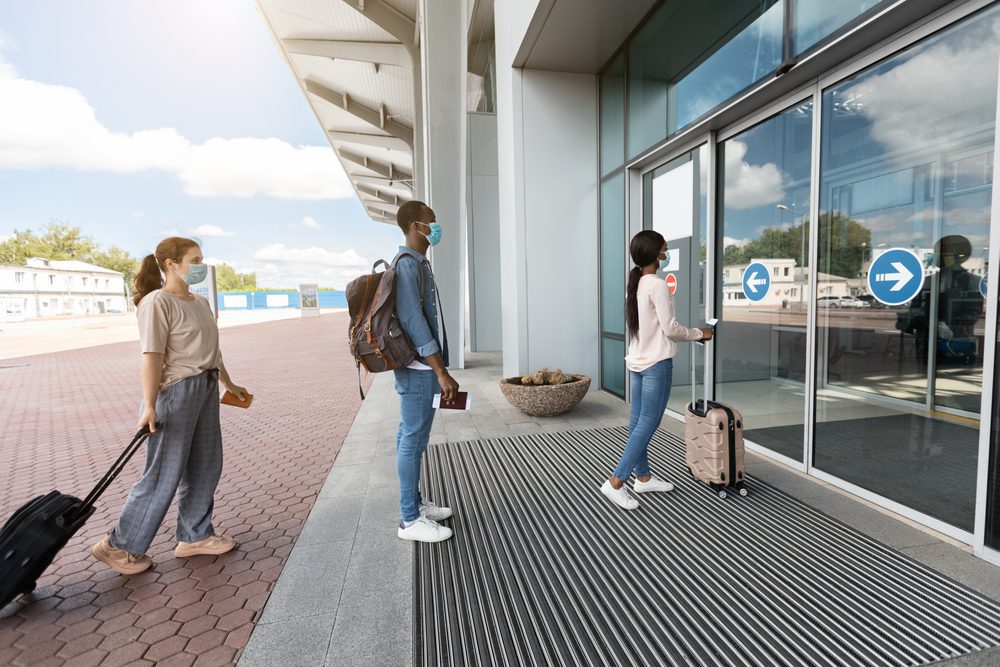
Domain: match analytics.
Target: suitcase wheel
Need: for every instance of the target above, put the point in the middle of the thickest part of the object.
(722, 493)
(743, 491)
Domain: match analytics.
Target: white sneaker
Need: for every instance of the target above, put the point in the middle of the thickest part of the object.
(433, 512)
(654, 484)
(621, 497)
(423, 530)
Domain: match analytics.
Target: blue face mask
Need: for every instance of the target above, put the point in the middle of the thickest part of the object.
(665, 262)
(435, 236)
(196, 273)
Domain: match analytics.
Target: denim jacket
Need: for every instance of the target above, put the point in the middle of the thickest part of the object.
(421, 327)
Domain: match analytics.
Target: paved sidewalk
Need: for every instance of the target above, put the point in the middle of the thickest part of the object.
(62, 334)
(67, 415)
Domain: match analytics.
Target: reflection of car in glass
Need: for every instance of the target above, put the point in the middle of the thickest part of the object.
(828, 302)
(840, 302)
(852, 302)
(870, 301)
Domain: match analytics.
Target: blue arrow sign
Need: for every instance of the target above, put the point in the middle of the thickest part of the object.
(896, 276)
(983, 286)
(756, 281)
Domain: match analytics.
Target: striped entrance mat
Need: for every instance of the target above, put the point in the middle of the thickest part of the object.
(543, 570)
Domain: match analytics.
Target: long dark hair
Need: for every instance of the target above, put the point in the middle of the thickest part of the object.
(645, 249)
(150, 276)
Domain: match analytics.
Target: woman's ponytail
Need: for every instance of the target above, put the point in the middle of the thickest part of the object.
(632, 302)
(148, 278)
(644, 249)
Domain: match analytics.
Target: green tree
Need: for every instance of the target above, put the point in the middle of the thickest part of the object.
(842, 244)
(117, 259)
(61, 241)
(18, 248)
(228, 280)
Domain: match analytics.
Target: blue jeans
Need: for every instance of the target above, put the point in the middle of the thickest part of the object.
(650, 391)
(416, 391)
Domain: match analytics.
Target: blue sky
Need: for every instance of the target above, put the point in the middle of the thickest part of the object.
(133, 120)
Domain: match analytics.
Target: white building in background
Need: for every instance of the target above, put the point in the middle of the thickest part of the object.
(46, 288)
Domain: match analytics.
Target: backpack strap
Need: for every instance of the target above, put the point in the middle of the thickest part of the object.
(420, 272)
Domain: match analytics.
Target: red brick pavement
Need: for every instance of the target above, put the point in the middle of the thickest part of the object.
(64, 417)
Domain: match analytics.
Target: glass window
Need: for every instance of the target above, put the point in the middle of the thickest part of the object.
(907, 146)
(613, 284)
(481, 76)
(613, 255)
(613, 366)
(812, 20)
(690, 57)
(613, 115)
(675, 204)
(761, 350)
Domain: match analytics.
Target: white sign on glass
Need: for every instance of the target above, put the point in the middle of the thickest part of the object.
(673, 203)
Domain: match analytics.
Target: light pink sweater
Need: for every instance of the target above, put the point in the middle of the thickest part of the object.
(658, 326)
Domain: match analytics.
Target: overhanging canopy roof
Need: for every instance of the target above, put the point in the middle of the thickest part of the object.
(354, 60)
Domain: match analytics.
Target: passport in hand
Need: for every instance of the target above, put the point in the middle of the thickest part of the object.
(460, 402)
(229, 398)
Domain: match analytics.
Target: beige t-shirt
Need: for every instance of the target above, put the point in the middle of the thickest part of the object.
(184, 332)
(658, 326)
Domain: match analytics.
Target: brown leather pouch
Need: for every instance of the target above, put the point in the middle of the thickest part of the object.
(229, 398)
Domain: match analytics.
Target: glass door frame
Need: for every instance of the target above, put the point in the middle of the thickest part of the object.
(799, 96)
(989, 362)
(688, 141)
(885, 49)
(634, 214)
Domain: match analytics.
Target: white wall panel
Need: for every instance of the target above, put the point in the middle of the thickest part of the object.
(561, 220)
(484, 234)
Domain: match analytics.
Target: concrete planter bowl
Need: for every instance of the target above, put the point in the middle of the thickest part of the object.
(545, 400)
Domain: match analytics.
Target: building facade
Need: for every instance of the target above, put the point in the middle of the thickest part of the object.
(825, 142)
(47, 288)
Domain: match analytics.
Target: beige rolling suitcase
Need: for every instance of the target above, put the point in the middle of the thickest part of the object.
(713, 440)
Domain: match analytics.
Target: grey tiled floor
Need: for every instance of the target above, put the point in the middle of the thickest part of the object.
(345, 598)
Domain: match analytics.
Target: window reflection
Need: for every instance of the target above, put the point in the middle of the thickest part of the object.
(906, 163)
(815, 19)
(761, 349)
(688, 58)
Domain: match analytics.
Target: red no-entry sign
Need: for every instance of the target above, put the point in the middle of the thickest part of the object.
(672, 283)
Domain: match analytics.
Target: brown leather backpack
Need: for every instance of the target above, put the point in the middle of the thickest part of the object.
(376, 338)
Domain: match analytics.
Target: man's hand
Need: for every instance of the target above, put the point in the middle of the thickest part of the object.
(148, 419)
(707, 333)
(448, 386)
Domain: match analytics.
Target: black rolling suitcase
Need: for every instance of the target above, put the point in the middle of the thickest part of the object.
(32, 537)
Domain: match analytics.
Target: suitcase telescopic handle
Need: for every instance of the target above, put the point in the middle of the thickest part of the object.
(694, 371)
(116, 468)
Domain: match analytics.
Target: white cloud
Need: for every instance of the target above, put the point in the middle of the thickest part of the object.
(210, 230)
(44, 125)
(277, 252)
(729, 240)
(750, 186)
(930, 96)
(310, 222)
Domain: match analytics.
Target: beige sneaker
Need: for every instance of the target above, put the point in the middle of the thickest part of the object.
(118, 560)
(216, 545)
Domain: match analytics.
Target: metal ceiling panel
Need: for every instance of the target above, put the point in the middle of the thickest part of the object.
(382, 89)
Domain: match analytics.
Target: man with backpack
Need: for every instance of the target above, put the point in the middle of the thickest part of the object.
(419, 316)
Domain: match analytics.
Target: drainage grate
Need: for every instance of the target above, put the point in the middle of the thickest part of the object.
(543, 570)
